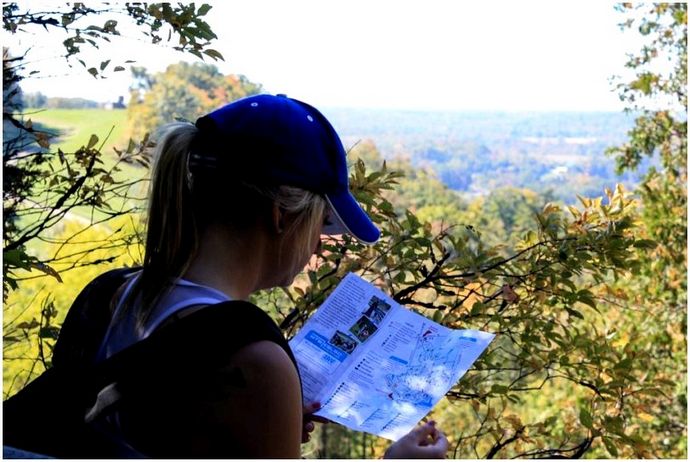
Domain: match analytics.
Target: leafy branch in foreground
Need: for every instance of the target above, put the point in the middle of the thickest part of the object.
(159, 22)
(43, 187)
(543, 301)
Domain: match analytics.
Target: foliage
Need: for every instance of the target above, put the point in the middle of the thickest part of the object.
(542, 301)
(153, 20)
(183, 91)
(660, 92)
(32, 315)
(42, 186)
(590, 310)
(505, 214)
(656, 307)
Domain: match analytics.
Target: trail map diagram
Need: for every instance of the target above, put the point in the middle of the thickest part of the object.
(429, 368)
(376, 366)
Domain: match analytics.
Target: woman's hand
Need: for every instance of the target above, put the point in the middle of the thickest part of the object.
(309, 419)
(423, 442)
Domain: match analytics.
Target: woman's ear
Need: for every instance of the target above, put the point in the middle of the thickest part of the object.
(278, 219)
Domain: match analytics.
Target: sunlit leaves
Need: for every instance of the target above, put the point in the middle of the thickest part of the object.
(158, 21)
(543, 299)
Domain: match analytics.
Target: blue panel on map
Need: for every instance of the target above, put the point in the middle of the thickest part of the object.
(322, 342)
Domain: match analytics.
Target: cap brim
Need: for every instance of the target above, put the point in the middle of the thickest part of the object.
(348, 217)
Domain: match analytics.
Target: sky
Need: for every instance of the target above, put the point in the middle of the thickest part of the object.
(418, 55)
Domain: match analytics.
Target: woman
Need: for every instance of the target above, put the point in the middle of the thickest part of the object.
(238, 202)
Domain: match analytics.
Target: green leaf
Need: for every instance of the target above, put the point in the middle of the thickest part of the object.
(624, 364)
(645, 244)
(586, 418)
(17, 258)
(118, 69)
(92, 142)
(477, 308)
(574, 313)
(585, 296)
(438, 316)
(214, 54)
(499, 389)
(46, 270)
(93, 71)
(203, 9)
(610, 447)
(196, 53)
(49, 332)
(28, 325)
(104, 64)
(67, 19)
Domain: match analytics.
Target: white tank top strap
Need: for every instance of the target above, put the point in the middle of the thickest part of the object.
(123, 330)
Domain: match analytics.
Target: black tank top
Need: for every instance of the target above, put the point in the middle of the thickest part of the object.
(175, 374)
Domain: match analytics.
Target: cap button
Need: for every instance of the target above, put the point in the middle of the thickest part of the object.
(282, 95)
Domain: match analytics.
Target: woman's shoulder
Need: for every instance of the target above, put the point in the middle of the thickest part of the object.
(266, 358)
(232, 398)
(234, 323)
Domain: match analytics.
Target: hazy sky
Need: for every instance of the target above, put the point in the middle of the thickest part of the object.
(425, 54)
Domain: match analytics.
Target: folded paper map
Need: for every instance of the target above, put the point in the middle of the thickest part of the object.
(376, 366)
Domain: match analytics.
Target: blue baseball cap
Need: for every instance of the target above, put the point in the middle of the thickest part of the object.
(276, 140)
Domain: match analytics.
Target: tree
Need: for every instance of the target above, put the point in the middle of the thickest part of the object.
(541, 300)
(44, 187)
(656, 303)
(660, 132)
(183, 91)
(41, 187)
(35, 100)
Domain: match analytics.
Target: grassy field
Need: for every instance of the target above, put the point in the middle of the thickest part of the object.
(75, 127)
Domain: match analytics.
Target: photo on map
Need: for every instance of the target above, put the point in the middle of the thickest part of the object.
(363, 328)
(377, 310)
(343, 342)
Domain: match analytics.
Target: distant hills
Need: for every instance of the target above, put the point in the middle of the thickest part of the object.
(475, 152)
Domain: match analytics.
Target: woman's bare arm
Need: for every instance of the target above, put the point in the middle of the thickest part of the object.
(264, 416)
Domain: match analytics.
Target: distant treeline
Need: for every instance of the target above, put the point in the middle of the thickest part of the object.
(561, 154)
(39, 100)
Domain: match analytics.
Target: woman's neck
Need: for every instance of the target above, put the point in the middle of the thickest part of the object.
(233, 265)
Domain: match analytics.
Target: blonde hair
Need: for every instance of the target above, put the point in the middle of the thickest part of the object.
(182, 203)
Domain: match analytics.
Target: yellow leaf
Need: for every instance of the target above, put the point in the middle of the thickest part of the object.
(514, 421)
(646, 417)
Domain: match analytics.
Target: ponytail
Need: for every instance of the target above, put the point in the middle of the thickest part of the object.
(172, 235)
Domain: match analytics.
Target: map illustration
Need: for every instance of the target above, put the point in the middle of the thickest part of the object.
(429, 370)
